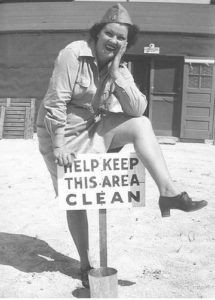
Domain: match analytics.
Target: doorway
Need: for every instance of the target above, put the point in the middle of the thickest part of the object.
(160, 79)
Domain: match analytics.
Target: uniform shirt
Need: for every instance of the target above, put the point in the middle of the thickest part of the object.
(77, 90)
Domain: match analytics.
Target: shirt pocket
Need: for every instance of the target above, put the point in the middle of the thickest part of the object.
(81, 86)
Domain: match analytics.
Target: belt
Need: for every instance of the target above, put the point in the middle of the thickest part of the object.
(99, 114)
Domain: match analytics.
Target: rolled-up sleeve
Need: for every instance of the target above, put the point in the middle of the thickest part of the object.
(132, 101)
(60, 91)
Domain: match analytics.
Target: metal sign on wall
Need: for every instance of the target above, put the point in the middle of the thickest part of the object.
(98, 181)
(151, 49)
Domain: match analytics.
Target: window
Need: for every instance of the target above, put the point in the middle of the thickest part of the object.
(200, 76)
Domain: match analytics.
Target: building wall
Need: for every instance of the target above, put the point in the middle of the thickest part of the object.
(67, 16)
(27, 59)
(32, 36)
(161, 1)
(177, 44)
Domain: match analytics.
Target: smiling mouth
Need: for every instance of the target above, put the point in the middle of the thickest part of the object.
(110, 48)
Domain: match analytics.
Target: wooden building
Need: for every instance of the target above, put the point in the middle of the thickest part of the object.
(172, 62)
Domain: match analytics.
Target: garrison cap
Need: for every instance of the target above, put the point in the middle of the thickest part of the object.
(116, 14)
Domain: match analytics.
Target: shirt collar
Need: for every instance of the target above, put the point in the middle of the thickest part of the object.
(88, 49)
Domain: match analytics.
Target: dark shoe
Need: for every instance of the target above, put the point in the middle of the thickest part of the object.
(84, 277)
(181, 201)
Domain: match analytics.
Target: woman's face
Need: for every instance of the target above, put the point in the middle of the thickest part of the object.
(110, 39)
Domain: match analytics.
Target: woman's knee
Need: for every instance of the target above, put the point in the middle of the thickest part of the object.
(141, 127)
(142, 123)
(129, 131)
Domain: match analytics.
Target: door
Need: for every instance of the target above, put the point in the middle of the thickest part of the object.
(198, 100)
(140, 68)
(165, 95)
(160, 79)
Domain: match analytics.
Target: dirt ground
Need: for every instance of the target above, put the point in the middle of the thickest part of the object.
(155, 257)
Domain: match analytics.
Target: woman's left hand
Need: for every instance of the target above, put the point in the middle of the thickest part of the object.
(114, 66)
(63, 157)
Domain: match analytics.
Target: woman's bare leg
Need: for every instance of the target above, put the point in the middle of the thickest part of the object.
(139, 132)
(78, 227)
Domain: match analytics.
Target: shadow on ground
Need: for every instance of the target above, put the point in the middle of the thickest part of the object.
(81, 293)
(30, 254)
(85, 293)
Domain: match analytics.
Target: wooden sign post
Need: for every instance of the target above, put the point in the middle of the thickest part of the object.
(103, 237)
(102, 181)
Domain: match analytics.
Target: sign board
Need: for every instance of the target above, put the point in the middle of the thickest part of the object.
(100, 181)
(152, 49)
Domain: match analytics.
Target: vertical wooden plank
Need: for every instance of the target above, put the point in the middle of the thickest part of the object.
(103, 237)
(8, 102)
(2, 116)
(27, 123)
(32, 114)
(151, 86)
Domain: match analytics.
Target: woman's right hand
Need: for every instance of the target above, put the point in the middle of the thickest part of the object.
(63, 157)
(114, 66)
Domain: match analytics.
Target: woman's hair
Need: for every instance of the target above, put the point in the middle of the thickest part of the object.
(133, 31)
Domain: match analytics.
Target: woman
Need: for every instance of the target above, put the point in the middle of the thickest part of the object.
(80, 114)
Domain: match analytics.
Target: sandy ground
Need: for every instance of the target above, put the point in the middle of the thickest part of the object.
(155, 257)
